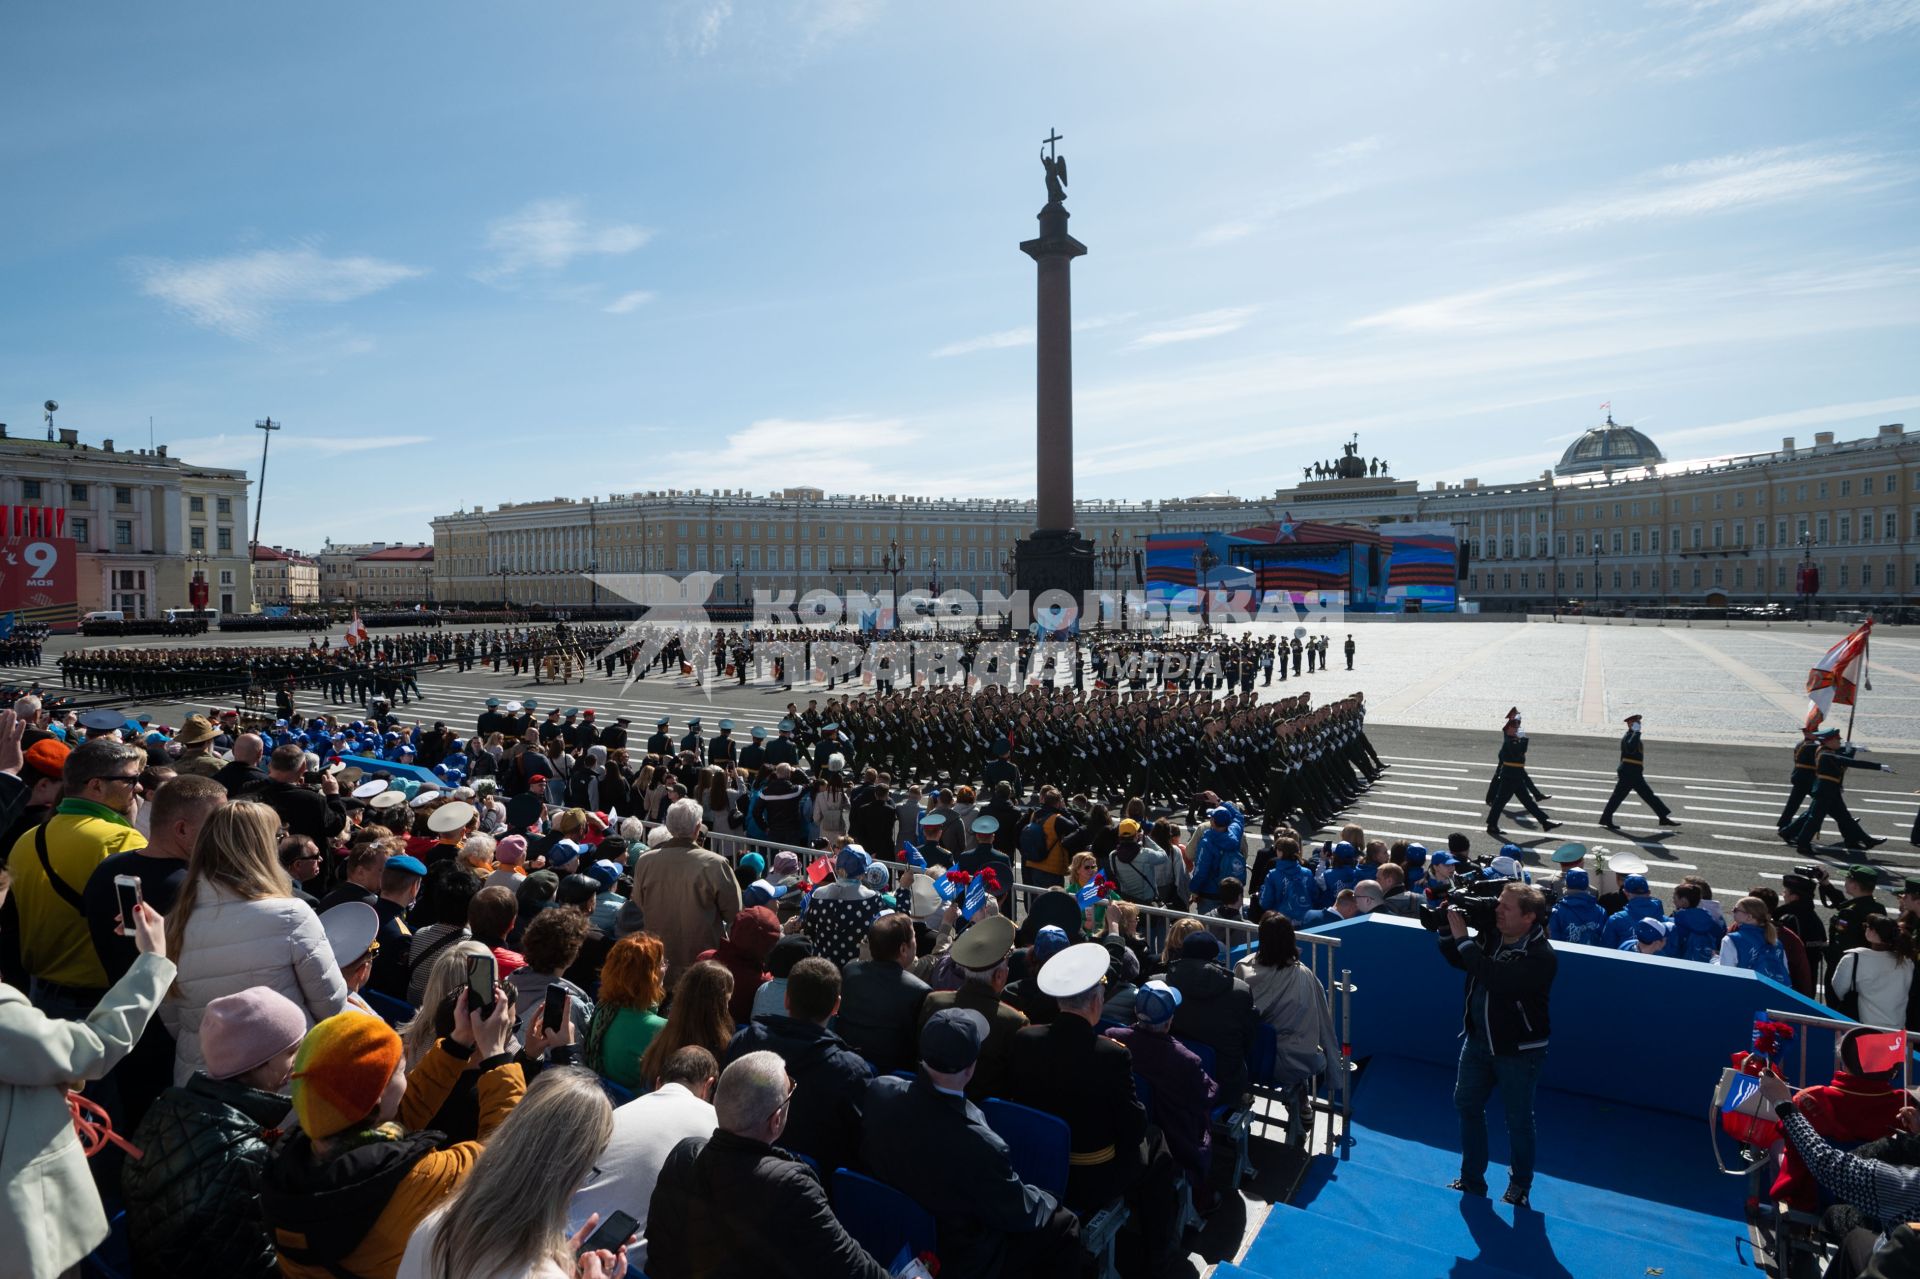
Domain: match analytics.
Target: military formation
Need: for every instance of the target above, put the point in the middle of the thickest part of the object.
(21, 646)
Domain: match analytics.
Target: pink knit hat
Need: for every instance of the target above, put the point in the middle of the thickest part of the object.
(511, 851)
(239, 1032)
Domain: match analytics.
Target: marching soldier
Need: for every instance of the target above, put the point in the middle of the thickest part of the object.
(1632, 777)
(1806, 757)
(1829, 797)
(1510, 780)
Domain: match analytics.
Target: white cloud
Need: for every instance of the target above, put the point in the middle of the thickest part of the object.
(828, 21)
(1790, 420)
(1486, 308)
(987, 342)
(1293, 202)
(1716, 185)
(241, 294)
(1726, 33)
(627, 302)
(708, 22)
(1193, 328)
(547, 235)
(1349, 152)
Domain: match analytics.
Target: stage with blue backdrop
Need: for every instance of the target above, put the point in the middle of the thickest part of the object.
(1626, 1183)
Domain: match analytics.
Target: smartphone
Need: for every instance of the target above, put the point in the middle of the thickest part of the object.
(127, 889)
(612, 1234)
(554, 1015)
(482, 978)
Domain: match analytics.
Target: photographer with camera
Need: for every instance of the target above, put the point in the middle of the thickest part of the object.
(1510, 968)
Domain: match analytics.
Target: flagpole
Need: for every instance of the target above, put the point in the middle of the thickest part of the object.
(1866, 642)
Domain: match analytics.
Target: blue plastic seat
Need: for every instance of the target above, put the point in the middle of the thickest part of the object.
(1038, 1146)
(883, 1220)
(617, 1093)
(113, 1259)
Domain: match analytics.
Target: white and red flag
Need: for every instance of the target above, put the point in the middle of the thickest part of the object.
(1836, 678)
(356, 630)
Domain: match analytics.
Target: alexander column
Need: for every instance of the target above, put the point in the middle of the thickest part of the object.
(1055, 557)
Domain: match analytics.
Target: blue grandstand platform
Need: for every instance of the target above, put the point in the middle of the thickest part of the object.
(1626, 1185)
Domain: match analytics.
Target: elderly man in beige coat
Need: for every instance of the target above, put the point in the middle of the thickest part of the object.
(52, 1214)
(687, 893)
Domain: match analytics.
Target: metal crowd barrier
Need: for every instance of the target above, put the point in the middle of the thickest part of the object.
(1329, 1093)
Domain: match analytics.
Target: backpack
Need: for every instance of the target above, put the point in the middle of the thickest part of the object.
(1033, 837)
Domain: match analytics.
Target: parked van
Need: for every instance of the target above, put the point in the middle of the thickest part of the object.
(106, 615)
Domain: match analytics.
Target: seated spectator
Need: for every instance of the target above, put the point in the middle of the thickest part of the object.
(1873, 1196)
(982, 954)
(238, 925)
(353, 931)
(880, 997)
(991, 1224)
(509, 1217)
(1025, 993)
(366, 858)
(744, 954)
(1289, 997)
(53, 1216)
(1124, 928)
(645, 1131)
(1232, 894)
(510, 863)
(1648, 936)
(536, 892)
(399, 888)
(1696, 931)
(243, 770)
(1754, 943)
(830, 1079)
(303, 810)
(1069, 1070)
(1855, 1107)
(552, 943)
(771, 998)
(1216, 1009)
(446, 977)
(453, 891)
(190, 1196)
(700, 1016)
(626, 1015)
(1183, 1093)
(343, 1193)
(839, 913)
(176, 813)
(1345, 905)
(1799, 967)
(1395, 897)
(1289, 886)
(300, 858)
(735, 1204)
(1578, 916)
(490, 917)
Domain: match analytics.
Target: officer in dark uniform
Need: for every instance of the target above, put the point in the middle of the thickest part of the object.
(1806, 757)
(695, 741)
(1067, 1068)
(1830, 799)
(990, 1223)
(754, 754)
(1632, 777)
(1510, 781)
(781, 750)
(983, 854)
(1000, 768)
(1856, 903)
(661, 743)
(615, 738)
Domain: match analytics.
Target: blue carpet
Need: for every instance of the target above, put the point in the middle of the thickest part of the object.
(1299, 1245)
(1639, 1158)
(1523, 1241)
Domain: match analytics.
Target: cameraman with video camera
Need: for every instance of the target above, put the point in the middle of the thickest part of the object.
(1510, 968)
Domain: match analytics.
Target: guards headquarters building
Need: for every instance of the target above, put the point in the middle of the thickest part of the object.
(1614, 524)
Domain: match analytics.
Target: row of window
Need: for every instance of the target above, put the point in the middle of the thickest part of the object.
(1824, 531)
(34, 490)
(1698, 502)
(1698, 577)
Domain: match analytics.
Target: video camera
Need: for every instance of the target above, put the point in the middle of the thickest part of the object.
(1473, 893)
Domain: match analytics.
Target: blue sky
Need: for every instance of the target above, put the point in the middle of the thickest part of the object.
(476, 252)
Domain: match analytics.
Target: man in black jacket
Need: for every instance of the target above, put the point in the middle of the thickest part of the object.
(735, 1206)
(992, 1225)
(829, 1078)
(1510, 970)
(872, 819)
(302, 809)
(880, 997)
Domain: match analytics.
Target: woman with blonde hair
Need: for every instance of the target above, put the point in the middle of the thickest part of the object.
(509, 1218)
(446, 976)
(701, 1015)
(237, 924)
(1754, 943)
(626, 1019)
(1181, 930)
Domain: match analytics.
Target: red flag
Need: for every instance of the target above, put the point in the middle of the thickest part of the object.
(1835, 678)
(1880, 1053)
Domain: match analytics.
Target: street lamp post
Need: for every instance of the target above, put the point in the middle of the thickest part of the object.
(1113, 558)
(739, 595)
(1205, 561)
(1804, 578)
(1596, 574)
(893, 567)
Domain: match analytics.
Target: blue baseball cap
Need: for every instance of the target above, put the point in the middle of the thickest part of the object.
(1576, 880)
(1443, 858)
(1346, 850)
(1155, 1002)
(1222, 816)
(1416, 854)
(1650, 929)
(1048, 942)
(852, 861)
(1635, 886)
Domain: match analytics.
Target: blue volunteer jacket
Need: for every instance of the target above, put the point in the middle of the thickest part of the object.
(1620, 923)
(1219, 856)
(1578, 918)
